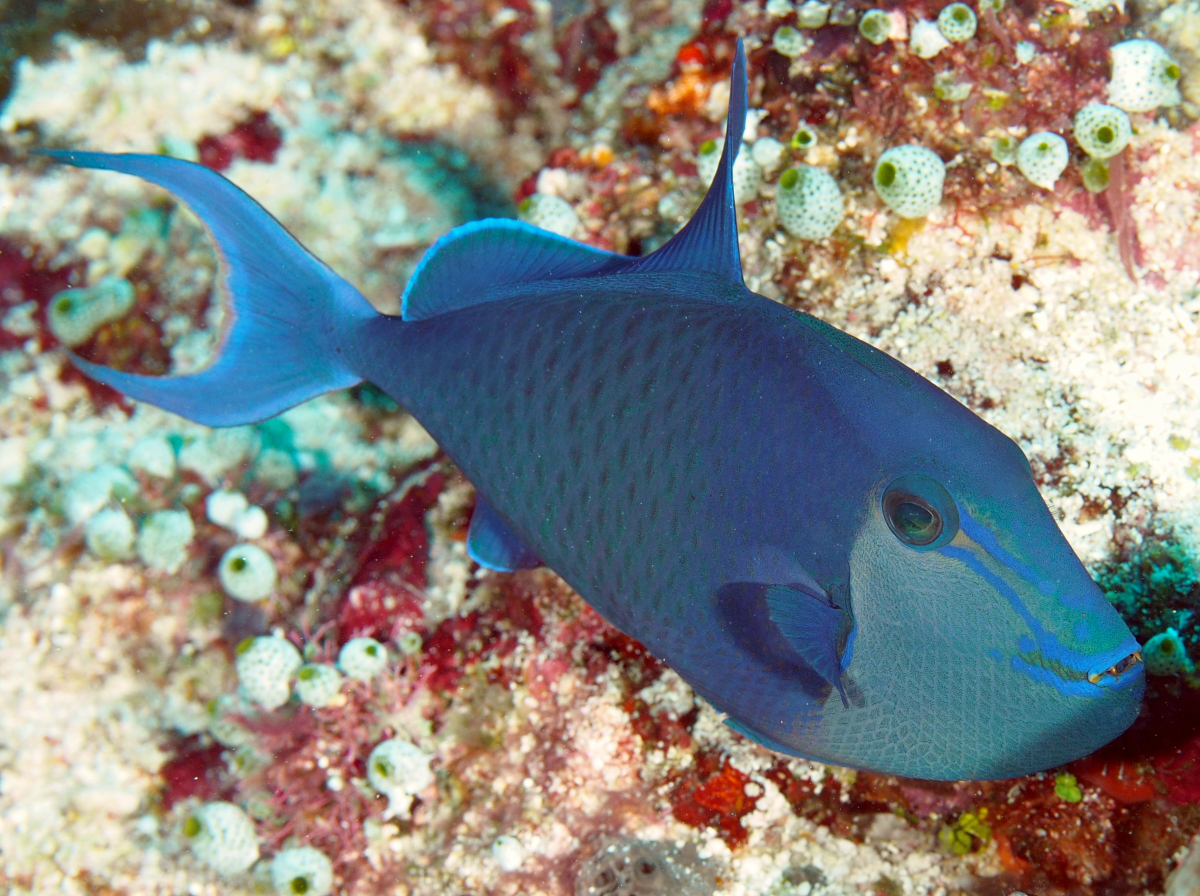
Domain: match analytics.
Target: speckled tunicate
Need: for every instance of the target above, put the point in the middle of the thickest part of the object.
(747, 178)
(399, 770)
(788, 41)
(265, 666)
(247, 572)
(767, 153)
(74, 315)
(1143, 77)
(362, 658)
(552, 213)
(1166, 654)
(926, 40)
(1025, 52)
(163, 542)
(110, 535)
(318, 684)
(301, 871)
(875, 25)
(1102, 131)
(812, 14)
(222, 836)
(1042, 158)
(410, 643)
(708, 159)
(909, 179)
(1004, 149)
(949, 89)
(154, 456)
(809, 203)
(957, 23)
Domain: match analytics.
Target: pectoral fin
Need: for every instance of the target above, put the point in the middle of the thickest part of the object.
(813, 628)
(493, 545)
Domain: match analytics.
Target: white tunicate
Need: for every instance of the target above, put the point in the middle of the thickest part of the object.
(232, 511)
(1143, 77)
(110, 534)
(75, 314)
(926, 39)
(747, 178)
(909, 179)
(362, 658)
(265, 666)
(508, 853)
(247, 572)
(302, 871)
(957, 23)
(153, 455)
(779, 8)
(788, 41)
(1166, 654)
(398, 769)
(1102, 131)
(223, 507)
(88, 493)
(809, 203)
(1025, 52)
(222, 836)
(163, 542)
(812, 14)
(318, 684)
(767, 153)
(552, 213)
(1042, 157)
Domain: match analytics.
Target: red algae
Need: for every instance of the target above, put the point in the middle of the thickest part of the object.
(714, 793)
(195, 769)
(256, 139)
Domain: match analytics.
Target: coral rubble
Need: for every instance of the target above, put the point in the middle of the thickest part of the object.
(261, 658)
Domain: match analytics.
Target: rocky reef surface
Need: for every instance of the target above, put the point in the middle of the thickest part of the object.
(260, 660)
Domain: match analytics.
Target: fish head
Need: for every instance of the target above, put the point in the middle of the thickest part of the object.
(975, 621)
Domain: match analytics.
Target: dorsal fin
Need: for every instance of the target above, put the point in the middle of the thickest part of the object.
(470, 262)
(708, 242)
(478, 262)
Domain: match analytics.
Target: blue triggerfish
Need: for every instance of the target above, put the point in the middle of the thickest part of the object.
(838, 556)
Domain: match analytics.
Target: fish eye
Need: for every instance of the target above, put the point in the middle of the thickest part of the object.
(920, 512)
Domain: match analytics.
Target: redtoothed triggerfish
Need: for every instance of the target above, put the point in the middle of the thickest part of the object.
(837, 555)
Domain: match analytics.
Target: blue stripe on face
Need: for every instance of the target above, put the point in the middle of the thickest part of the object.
(982, 546)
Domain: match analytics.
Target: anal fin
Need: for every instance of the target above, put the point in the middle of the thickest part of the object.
(493, 545)
(813, 628)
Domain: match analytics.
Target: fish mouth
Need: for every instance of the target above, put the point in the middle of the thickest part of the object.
(1118, 670)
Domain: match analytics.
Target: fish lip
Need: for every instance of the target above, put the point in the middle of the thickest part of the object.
(1128, 668)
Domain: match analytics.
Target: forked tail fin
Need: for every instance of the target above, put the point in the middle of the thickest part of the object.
(288, 317)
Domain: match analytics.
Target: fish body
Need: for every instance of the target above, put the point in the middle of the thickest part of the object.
(836, 554)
